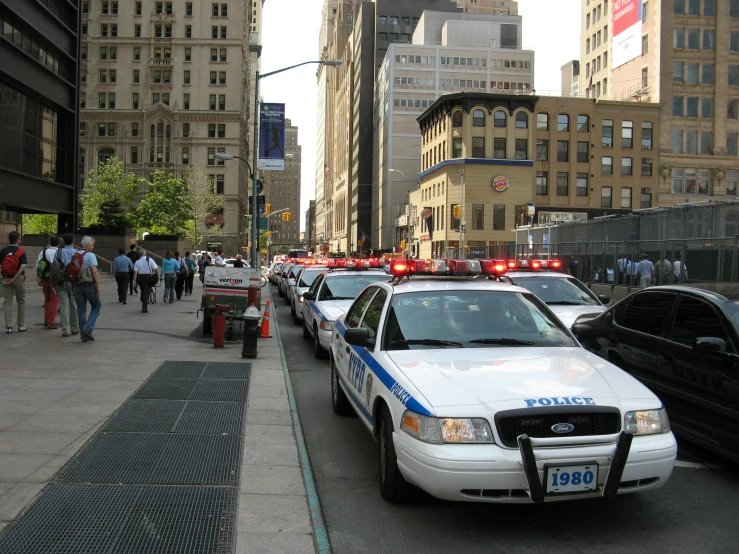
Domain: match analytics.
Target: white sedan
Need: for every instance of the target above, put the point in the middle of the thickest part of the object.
(476, 392)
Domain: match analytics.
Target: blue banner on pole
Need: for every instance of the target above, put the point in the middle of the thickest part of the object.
(272, 137)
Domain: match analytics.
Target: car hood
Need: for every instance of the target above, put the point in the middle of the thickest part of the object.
(568, 314)
(478, 376)
(334, 309)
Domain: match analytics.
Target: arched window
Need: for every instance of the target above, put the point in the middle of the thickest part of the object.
(105, 154)
(500, 118)
(583, 123)
(478, 118)
(542, 122)
(169, 133)
(152, 130)
(522, 120)
(160, 129)
(563, 122)
(457, 119)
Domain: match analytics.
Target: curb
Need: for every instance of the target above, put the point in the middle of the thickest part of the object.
(321, 539)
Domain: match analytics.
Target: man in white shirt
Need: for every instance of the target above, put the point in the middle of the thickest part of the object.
(51, 300)
(679, 270)
(143, 269)
(663, 270)
(219, 259)
(645, 271)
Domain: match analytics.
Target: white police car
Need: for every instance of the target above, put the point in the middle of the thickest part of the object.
(476, 392)
(566, 296)
(302, 284)
(329, 297)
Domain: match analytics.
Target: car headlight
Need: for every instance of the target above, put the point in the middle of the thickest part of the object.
(446, 430)
(301, 299)
(326, 325)
(647, 422)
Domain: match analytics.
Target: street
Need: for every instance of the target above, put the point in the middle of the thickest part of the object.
(694, 512)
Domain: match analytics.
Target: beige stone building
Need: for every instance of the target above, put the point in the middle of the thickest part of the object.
(165, 85)
(492, 162)
(687, 60)
(282, 190)
(497, 7)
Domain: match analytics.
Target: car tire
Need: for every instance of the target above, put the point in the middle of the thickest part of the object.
(339, 400)
(296, 319)
(306, 333)
(318, 350)
(292, 309)
(393, 486)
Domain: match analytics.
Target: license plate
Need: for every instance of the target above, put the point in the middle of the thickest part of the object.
(572, 478)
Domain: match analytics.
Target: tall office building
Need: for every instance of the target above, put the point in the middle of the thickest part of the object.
(167, 85)
(570, 73)
(39, 64)
(496, 7)
(282, 191)
(684, 55)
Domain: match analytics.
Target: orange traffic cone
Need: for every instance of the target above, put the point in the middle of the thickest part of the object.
(265, 323)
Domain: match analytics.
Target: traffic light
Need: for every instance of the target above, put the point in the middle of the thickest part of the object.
(402, 244)
(457, 211)
(287, 216)
(267, 209)
(269, 234)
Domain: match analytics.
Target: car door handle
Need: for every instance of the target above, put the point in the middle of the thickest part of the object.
(667, 358)
(348, 350)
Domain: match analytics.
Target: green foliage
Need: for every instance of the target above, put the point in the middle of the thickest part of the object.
(203, 203)
(40, 224)
(165, 208)
(112, 214)
(110, 184)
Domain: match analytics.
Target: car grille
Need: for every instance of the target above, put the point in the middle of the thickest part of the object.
(538, 422)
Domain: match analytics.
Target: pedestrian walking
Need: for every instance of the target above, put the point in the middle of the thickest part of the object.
(624, 267)
(610, 274)
(179, 285)
(202, 264)
(645, 271)
(13, 263)
(43, 273)
(134, 257)
(170, 268)
(191, 269)
(663, 271)
(679, 270)
(573, 267)
(145, 272)
(86, 287)
(123, 270)
(65, 291)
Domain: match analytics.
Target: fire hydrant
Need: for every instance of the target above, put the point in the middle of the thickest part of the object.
(219, 325)
(252, 330)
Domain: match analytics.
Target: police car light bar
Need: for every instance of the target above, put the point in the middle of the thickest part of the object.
(494, 267)
(535, 264)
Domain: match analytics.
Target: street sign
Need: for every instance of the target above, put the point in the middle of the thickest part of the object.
(261, 202)
(263, 223)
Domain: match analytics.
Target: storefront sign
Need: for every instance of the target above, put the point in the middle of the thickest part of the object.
(500, 183)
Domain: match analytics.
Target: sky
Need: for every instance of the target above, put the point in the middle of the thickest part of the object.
(290, 35)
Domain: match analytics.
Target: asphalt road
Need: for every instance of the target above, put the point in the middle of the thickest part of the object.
(695, 512)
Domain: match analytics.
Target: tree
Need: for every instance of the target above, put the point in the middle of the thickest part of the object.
(165, 208)
(112, 213)
(203, 203)
(40, 224)
(110, 184)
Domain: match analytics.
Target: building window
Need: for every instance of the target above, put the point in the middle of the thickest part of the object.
(646, 167)
(563, 151)
(734, 75)
(582, 184)
(606, 201)
(478, 217)
(220, 184)
(626, 166)
(111, 100)
(522, 120)
(678, 37)
(499, 118)
(223, 32)
(692, 73)
(734, 41)
(83, 128)
(563, 180)
(137, 31)
(606, 165)
(707, 74)
(457, 148)
(563, 122)
(219, 161)
(188, 9)
(646, 135)
(582, 152)
(499, 217)
(222, 55)
(186, 102)
(478, 147)
(134, 155)
(627, 134)
(678, 103)
(136, 76)
(692, 107)
(709, 39)
(101, 100)
(185, 130)
(677, 141)
(213, 77)
(221, 130)
(583, 123)
(499, 148)
(522, 149)
(707, 108)
(211, 130)
(185, 156)
(693, 38)
(188, 31)
(134, 129)
(221, 77)
(707, 143)
(731, 181)
(478, 118)
(212, 102)
(211, 156)
(222, 102)
(542, 122)
(542, 178)
(542, 150)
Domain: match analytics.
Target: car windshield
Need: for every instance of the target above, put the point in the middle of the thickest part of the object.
(471, 319)
(307, 278)
(295, 270)
(278, 267)
(348, 287)
(562, 291)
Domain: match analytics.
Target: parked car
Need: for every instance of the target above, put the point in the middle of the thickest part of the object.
(683, 343)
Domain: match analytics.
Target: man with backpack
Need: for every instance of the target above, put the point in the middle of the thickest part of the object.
(82, 272)
(13, 262)
(64, 289)
(43, 272)
(191, 269)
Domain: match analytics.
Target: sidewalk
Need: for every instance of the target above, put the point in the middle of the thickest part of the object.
(56, 393)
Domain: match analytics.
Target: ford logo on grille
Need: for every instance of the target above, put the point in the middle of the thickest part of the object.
(563, 428)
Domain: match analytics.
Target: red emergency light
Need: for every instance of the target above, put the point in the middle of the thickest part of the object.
(399, 267)
(493, 267)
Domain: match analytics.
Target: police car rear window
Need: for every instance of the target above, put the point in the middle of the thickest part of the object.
(557, 290)
(471, 319)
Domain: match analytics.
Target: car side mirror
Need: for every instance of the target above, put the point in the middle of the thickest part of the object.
(709, 344)
(307, 295)
(359, 336)
(583, 331)
(605, 300)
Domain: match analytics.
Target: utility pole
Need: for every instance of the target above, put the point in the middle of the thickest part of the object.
(462, 222)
